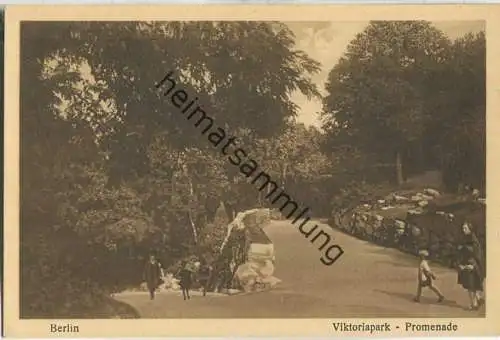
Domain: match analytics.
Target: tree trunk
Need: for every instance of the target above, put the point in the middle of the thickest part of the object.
(399, 168)
(284, 175)
(190, 213)
(229, 210)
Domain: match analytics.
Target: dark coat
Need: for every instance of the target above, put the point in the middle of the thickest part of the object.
(185, 277)
(472, 241)
(204, 273)
(152, 274)
(470, 279)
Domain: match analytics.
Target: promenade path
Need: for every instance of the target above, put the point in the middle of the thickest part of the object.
(367, 281)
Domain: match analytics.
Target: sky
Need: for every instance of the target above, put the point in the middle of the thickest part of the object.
(326, 42)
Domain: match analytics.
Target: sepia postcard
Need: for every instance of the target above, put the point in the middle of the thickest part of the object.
(251, 170)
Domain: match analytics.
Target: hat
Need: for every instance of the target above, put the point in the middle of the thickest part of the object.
(423, 252)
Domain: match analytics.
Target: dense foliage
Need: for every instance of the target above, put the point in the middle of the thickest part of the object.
(109, 172)
(405, 95)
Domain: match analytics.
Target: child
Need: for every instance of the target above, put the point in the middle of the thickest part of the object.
(425, 277)
(185, 281)
(204, 275)
(469, 276)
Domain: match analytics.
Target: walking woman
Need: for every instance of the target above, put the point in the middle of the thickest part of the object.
(152, 275)
(470, 246)
(470, 276)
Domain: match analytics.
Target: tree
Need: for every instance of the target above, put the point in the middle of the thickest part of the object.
(377, 91)
(460, 129)
(215, 65)
(104, 158)
(209, 58)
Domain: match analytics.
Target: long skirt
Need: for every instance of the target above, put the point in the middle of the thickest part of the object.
(470, 280)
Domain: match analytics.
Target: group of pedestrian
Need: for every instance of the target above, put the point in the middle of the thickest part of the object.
(470, 268)
(153, 274)
(185, 275)
(471, 272)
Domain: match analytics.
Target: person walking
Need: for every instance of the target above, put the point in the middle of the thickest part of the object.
(204, 274)
(470, 276)
(223, 275)
(426, 277)
(152, 275)
(469, 240)
(185, 277)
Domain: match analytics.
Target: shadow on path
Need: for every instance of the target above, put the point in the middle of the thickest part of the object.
(424, 300)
